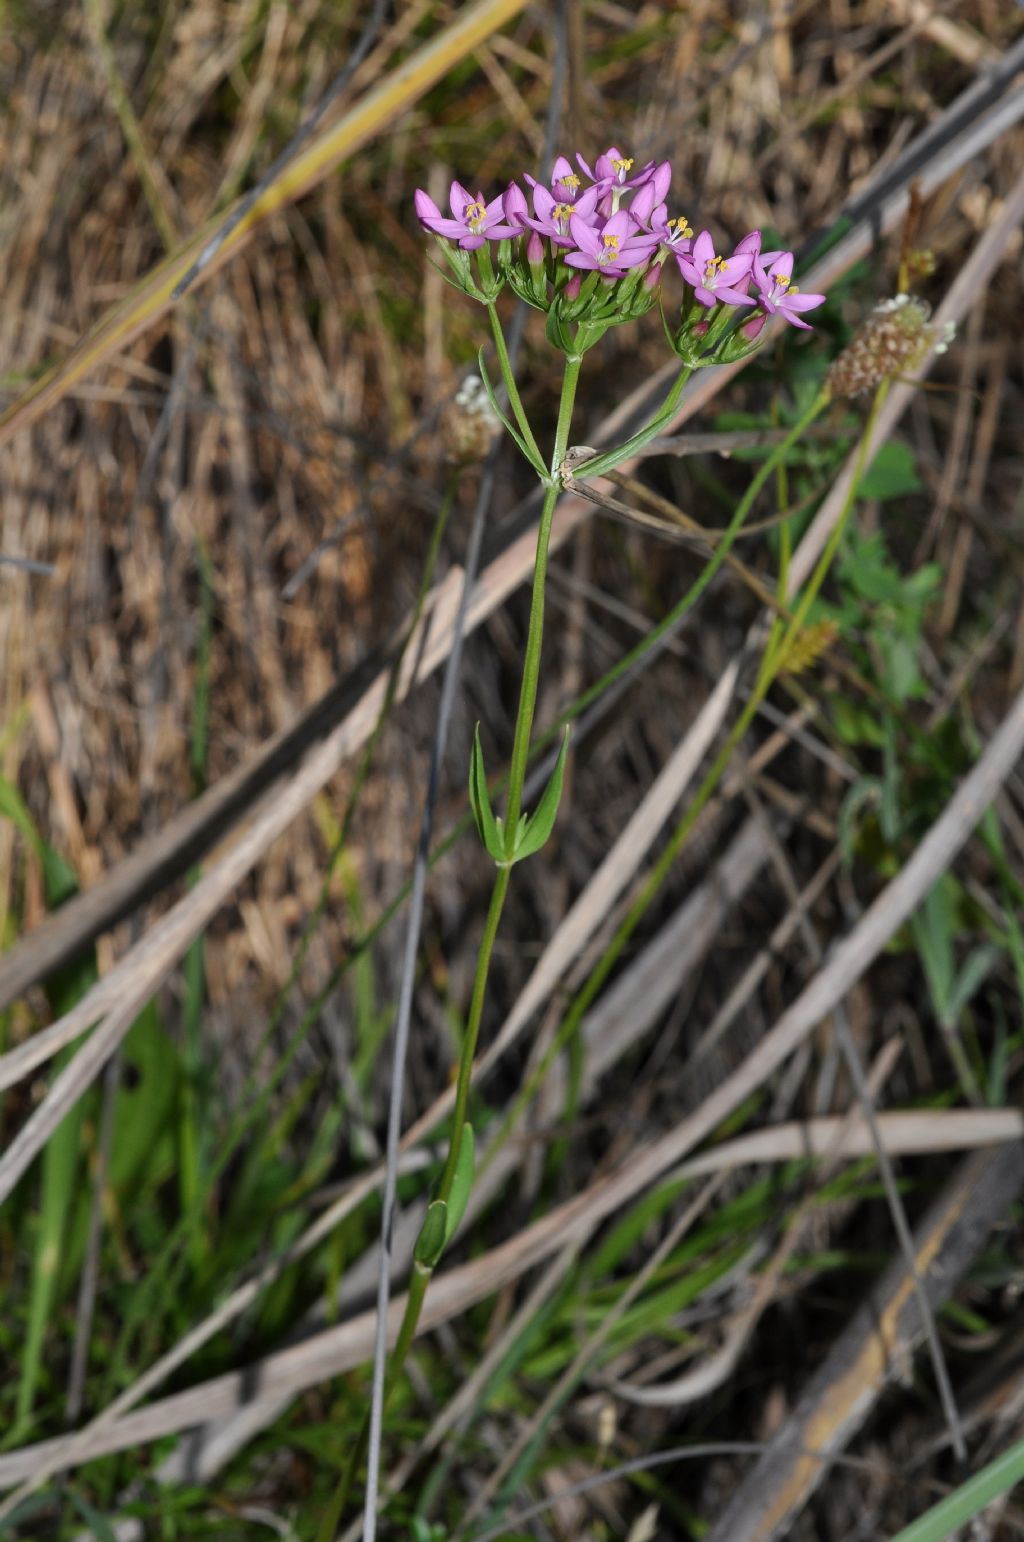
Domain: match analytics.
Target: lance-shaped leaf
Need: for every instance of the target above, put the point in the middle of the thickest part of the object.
(489, 828)
(537, 464)
(431, 1240)
(462, 1183)
(540, 824)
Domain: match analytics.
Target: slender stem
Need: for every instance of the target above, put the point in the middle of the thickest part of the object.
(531, 663)
(612, 458)
(469, 1039)
(515, 401)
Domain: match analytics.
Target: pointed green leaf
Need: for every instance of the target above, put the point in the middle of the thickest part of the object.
(488, 827)
(539, 827)
(430, 1242)
(537, 464)
(465, 1169)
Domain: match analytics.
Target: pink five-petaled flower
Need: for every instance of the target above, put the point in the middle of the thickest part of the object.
(473, 222)
(564, 184)
(551, 217)
(778, 293)
(612, 169)
(674, 234)
(715, 278)
(610, 250)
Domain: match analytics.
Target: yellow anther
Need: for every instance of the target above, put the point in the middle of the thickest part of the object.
(712, 268)
(561, 212)
(570, 180)
(474, 215)
(622, 165)
(611, 245)
(679, 229)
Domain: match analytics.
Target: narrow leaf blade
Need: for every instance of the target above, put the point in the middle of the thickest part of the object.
(540, 825)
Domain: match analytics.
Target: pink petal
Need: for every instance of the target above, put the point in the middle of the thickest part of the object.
(543, 203)
(458, 198)
(801, 301)
(443, 227)
(703, 250)
(425, 206)
(586, 238)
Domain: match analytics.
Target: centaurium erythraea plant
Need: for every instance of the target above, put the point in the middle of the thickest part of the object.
(591, 255)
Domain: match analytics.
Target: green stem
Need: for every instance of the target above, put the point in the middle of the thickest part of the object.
(515, 401)
(469, 1039)
(535, 634)
(612, 458)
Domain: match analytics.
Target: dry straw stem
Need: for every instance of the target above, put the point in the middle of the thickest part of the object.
(881, 1338)
(971, 123)
(151, 298)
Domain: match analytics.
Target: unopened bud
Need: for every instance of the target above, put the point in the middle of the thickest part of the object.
(572, 288)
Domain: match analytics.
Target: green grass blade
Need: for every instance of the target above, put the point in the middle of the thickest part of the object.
(946, 1518)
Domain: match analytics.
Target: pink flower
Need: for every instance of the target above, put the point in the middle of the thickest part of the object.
(715, 278)
(675, 234)
(612, 249)
(473, 222)
(778, 293)
(612, 170)
(551, 216)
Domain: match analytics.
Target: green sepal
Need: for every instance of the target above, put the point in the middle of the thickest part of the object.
(433, 1232)
(489, 829)
(535, 461)
(462, 1183)
(542, 821)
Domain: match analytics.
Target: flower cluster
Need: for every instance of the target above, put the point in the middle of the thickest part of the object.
(589, 246)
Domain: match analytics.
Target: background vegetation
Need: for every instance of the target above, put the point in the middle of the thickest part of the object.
(216, 514)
